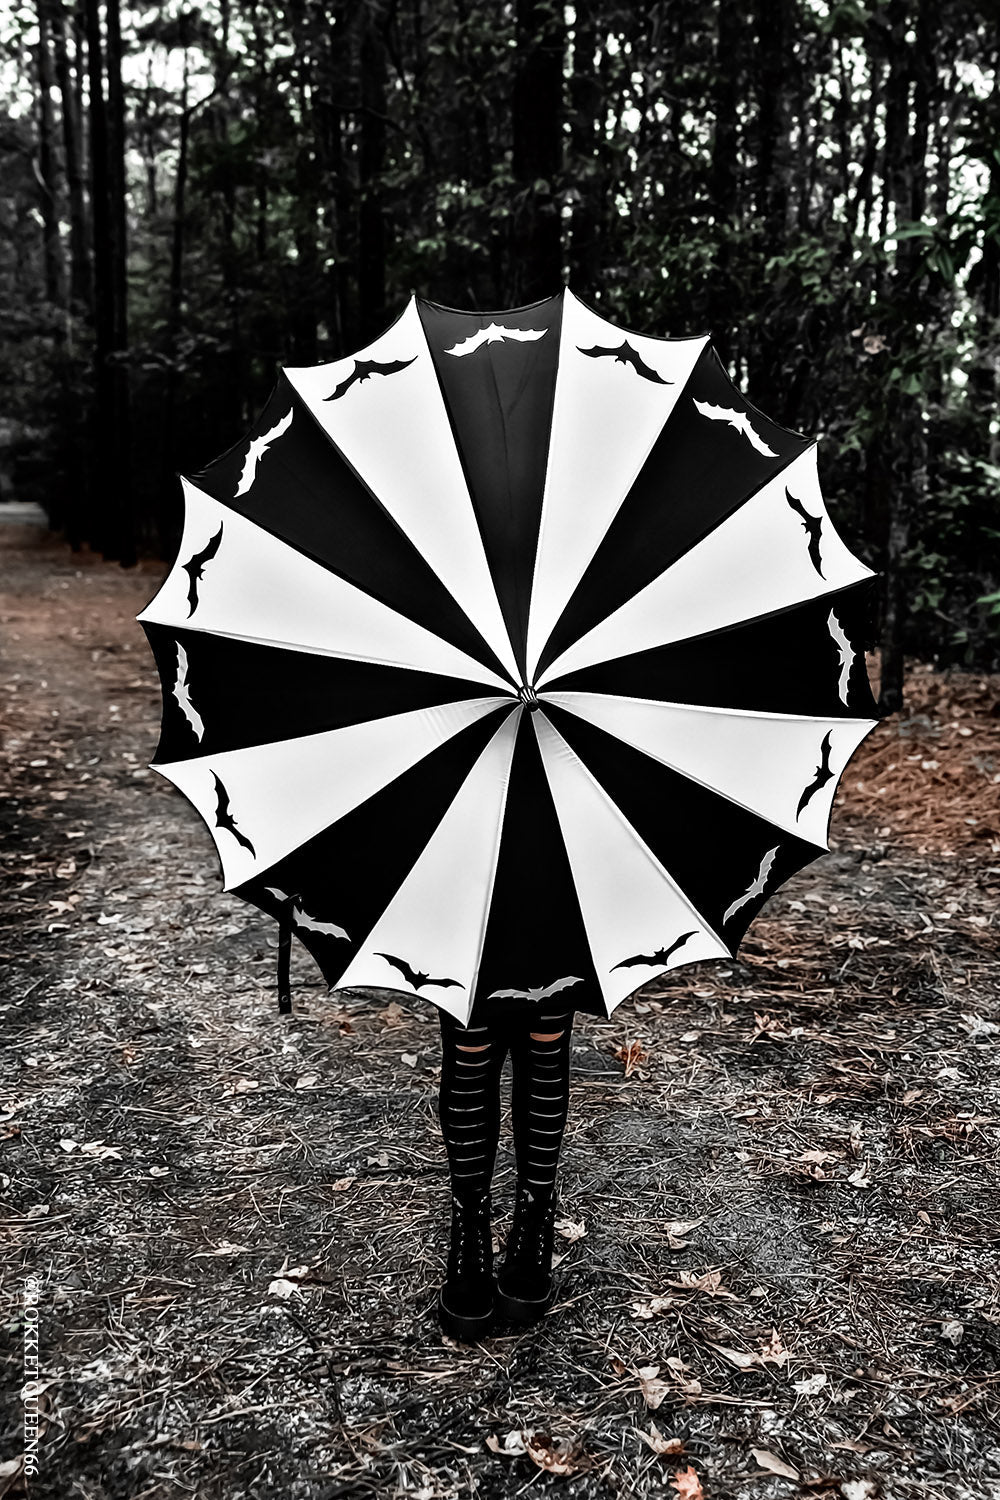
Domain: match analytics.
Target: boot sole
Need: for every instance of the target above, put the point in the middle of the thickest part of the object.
(518, 1310)
(465, 1330)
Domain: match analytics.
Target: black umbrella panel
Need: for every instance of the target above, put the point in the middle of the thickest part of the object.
(515, 655)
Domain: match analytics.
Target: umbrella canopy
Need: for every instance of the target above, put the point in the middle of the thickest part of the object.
(515, 655)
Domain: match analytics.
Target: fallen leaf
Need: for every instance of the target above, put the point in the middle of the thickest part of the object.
(101, 1151)
(410, 1059)
(632, 1054)
(859, 1489)
(774, 1351)
(282, 1287)
(774, 1464)
(687, 1484)
(709, 1282)
(688, 1384)
(810, 1384)
(654, 1390)
(560, 1456)
(568, 1230)
(512, 1445)
(952, 1332)
(677, 1229)
(654, 1439)
(652, 1308)
(307, 1080)
(736, 1357)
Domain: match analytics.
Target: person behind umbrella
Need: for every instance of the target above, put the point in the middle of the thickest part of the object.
(538, 1041)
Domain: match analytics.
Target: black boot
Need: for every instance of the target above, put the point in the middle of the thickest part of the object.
(524, 1281)
(466, 1303)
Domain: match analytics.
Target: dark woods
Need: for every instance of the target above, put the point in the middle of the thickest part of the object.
(195, 196)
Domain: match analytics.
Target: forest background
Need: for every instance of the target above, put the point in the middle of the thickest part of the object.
(194, 195)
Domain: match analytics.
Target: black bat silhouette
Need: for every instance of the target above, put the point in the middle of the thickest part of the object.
(225, 819)
(659, 957)
(414, 976)
(364, 369)
(626, 355)
(813, 526)
(196, 566)
(823, 774)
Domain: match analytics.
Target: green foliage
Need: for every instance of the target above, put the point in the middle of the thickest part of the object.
(817, 187)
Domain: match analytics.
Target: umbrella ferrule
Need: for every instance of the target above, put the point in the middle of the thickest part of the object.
(528, 697)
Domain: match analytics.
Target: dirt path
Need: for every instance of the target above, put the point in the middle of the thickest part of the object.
(781, 1183)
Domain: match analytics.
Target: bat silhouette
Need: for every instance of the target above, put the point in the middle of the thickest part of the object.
(495, 333)
(183, 695)
(225, 819)
(756, 887)
(659, 957)
(415, 977)
(364, 369)
(542, 993)
(195, 567)
(258, 447)
(626, 355)
(738, 420)
(823, 774)
(813, 525)
(301, 918)
(846, 652)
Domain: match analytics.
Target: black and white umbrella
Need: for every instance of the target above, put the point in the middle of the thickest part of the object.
(515, 655)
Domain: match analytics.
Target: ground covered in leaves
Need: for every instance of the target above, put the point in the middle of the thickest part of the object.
(781, 1183)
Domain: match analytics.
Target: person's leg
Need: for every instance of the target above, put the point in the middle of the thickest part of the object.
(540, 1055)
(469, 1110)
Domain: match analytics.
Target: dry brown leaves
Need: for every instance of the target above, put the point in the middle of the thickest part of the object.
(929, 777)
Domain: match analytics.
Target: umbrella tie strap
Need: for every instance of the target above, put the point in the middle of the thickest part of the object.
(284, 958)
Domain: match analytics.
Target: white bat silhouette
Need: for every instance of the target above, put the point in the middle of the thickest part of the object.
(302, 918)
(847, 654)
(495, 333)
(183, 695)
(258, 447)
(737, 419)
(756, 886)
(542, 993)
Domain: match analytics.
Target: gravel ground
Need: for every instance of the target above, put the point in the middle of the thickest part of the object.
(779, 1191)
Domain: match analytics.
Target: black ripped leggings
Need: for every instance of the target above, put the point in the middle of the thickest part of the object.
(469, 1105)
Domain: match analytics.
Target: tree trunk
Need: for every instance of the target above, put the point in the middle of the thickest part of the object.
(111, 528)
(585, 116)
(48, 198)
(537, 115)
(723, 169)
(371, 223)
(80, 290)
(775, 72)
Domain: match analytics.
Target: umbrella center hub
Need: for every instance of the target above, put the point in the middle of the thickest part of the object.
(528, 697)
